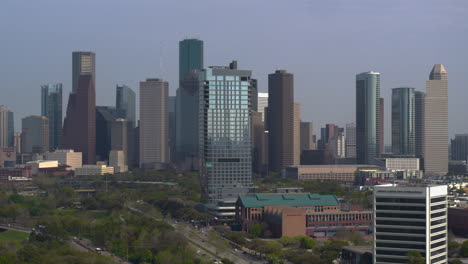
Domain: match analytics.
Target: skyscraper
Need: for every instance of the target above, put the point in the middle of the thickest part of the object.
(436, 122)
(51, 107)
(4, 124)
(154, 127)
(190, 56)
(186, 120)
(381, 137)
(410, 218)
(260, 154)
(281, 120)
(367, 117)
(262, 103)
(105, 116)
(79, 126)
(459, 147)
(35, 134)
(171, 109)
(350, 140)
(403, 121)
(125, 103)
(419, 99)
(225, 132)
(307, 136)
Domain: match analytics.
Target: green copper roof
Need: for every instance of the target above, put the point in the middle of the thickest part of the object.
(295, 200)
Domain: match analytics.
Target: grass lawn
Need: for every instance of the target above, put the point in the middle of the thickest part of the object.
(12, 236)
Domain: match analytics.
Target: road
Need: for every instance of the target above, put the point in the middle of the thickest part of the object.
(200, 242)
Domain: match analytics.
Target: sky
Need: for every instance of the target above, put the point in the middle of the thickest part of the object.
(323, 43)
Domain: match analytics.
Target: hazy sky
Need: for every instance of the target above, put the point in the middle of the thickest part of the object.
(324, 43)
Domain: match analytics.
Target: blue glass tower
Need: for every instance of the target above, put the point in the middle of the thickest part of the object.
(225, 132)
(403, 121)
(51, 107)
(126, 103)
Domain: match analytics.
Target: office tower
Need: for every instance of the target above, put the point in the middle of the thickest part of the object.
(125, 103)
(187, 122)
(11, 129)
(436, 122)
(154, 127)
(403, 121)
(336, 146)
(262, 103)
(297, 134)
(4, 123)
(307, 136)
(51, 107)
(118, 161)
(254, 100)
(190, 56)
(83, 63)
(280, 120)
(381, 138)
(17, 142)
(260, 154)
(367, 117)
(351, 140)
(35, 134)
(171, 109)
(122, 137)
(410, 218)
(105, 117)
(459, 147)
(419, 99)
(225, 132)
(327, 133)
(79, 126)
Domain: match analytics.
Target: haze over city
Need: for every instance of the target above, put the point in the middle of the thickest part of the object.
(323, 43)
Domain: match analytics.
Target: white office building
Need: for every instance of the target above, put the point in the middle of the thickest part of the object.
(410, 218)
(117, 160)
(87, 170)
(67, 157)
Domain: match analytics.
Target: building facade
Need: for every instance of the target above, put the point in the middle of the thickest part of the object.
(410, 218)
(89, 170)
(79, 126)
(307, 136)
(367, 117)
(351, 140)
(436, 122)
(51, 107)
(117, 159)
(35, 134)
(125, 103)
(67, 157)
(4, 124)
(419, 114)
(403, 121)
(190, 56)
(154, 126)
(336, 173)
(459, 147)
(280, 121)
(262, 103)
(225, 132)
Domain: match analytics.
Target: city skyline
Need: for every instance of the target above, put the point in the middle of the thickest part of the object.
(111, 70)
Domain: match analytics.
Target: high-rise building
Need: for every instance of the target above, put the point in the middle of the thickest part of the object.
(336, 146)
(367, 117)
(154, 127)
(171, 109)
(410, 218)
(125, 103)
(327, 133)
(118, 161)
(17, 142)
(105, 117)
(122, 138)
(4, 124)
(436, 122)
(459, 147)
(11, 129)
(297, 134)
(381, 138)
(419, 99)
(351, 140)
(225, 132)
(307, 136)
(281, 121)
(260, 154)
(51, 107)
(190, 56)
(403, 121)
(35, 134)
(187, 122)
(262, 103)
(254, 100)
(79, 126)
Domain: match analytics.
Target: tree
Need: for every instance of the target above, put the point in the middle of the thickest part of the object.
(453, 248)
(255, 230)
(415, 257)
(464, 249)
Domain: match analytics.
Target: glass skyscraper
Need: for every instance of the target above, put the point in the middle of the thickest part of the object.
(367, 116)
(51, 107)
(403, 121)
(126, 103)
(225, 132)
(190, 56)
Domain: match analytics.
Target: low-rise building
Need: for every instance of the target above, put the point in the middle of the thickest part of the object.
(94, 170)
(336, 173)
(41, 164)
(314, 215)
(66, 156)
(7, 157)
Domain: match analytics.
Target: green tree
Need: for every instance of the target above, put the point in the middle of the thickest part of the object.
(453, 248)
(464, 249)
(255, 230)
(415, 257)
